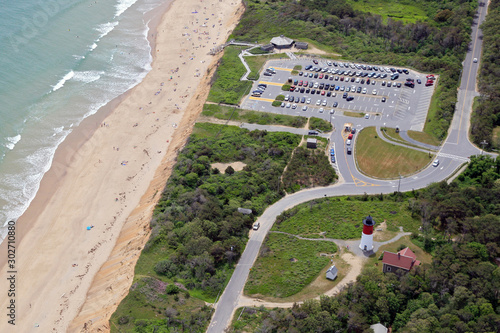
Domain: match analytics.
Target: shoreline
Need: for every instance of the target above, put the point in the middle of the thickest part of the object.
(40, 238)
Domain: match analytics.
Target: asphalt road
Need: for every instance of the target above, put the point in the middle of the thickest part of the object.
(454, 152)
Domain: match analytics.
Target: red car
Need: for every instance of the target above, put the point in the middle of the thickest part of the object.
(306, 83)
(430, 77)
(300, 83)
(315, 61)
(321, 76)
(292, 88)
(322, 93)
(349, 137)
(429, 83)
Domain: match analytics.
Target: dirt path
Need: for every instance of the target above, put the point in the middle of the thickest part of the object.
(356, 264)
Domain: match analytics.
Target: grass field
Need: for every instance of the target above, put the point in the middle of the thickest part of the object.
(254, 117)
(391, 133)
(255, 63)
(401, 10)
(354, 114)
(286, 265)
(432, 123)
(381, 159)
(227, 87)
(424, 137)
(340, 218)
(321, 124)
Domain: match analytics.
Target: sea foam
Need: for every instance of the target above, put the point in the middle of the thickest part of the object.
(123, 5)
(60, 84)
(12, 141)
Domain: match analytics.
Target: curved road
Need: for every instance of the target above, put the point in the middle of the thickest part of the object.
(455, 151)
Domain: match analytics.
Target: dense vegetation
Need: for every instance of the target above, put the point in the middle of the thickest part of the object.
(197, 232)
(226, 85)
(436, 45)
(320, 124)
(225, 112)
(486, 114)
(308, 168)
(457, 292)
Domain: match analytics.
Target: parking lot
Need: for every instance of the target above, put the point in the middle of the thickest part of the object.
(339, 87)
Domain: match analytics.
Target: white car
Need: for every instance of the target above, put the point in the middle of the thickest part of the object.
(288, 105)
(374, 92)
(348, 142)
(367, 116)
(435, 163)
(308, 101)
(324, 102)
(256, 226)
(304, 108)
(475, 60)
(318, 102)
(364, 91)
(294, 106)
(287, 97)
(321, 110)
(282, 104)
(332, 111)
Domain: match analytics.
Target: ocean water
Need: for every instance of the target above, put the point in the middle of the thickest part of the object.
(60, 61)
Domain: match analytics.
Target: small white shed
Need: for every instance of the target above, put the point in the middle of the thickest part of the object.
(331, 273)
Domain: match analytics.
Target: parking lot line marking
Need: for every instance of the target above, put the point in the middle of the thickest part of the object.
(283, 69)
(261, 99)
(271, 83)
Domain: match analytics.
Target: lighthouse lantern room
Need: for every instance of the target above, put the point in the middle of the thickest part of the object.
(366, 243)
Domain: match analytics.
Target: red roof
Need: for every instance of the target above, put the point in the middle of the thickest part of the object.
(405, 259)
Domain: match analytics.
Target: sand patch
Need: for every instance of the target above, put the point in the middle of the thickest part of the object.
(237, 166)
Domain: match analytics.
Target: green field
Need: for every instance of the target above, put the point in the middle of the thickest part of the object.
(320, 124)
(227, 87)
(286, 265)
(353, 114)
(424, 137)
(340, 218)
(253, 117)
(400, 10)
(380, 159)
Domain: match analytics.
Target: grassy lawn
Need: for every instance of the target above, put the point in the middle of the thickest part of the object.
(354, 114)
(424, 137)
(496, 137)
(254, 117)
(340, 218)
(286, 265)
(381, 159)
(376, 260)
(256, 63)
(401, 10)
(391, 133)
(227, 87)
(432, 124)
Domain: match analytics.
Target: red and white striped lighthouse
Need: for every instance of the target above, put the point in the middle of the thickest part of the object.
(366, 243)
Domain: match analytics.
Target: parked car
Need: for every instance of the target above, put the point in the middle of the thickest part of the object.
(304, 108)
(350, 98)
(348, 142)
(383, 99)
(349, 151)
(335, 104)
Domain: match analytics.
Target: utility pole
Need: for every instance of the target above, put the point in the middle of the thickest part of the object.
(399, 182)
(483, 143)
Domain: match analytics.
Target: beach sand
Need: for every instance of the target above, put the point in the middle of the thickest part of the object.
(107, 178)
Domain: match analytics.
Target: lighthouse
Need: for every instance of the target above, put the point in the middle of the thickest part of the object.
(366, 243)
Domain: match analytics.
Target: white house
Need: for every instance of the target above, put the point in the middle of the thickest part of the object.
(331, 273)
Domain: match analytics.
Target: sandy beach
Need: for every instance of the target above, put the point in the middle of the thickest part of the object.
(78, 242)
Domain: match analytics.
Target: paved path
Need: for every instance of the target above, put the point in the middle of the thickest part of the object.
(404, 135)
(384, 138)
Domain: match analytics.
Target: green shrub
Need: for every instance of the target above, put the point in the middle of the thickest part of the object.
(172, 289)
(285, 87)
(320, 124)
(280, 97)
(276, 103)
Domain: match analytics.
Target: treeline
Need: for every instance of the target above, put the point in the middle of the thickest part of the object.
(458, 292)
(486, 114)
(308, 168)
(198, 233)
(437, 45)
